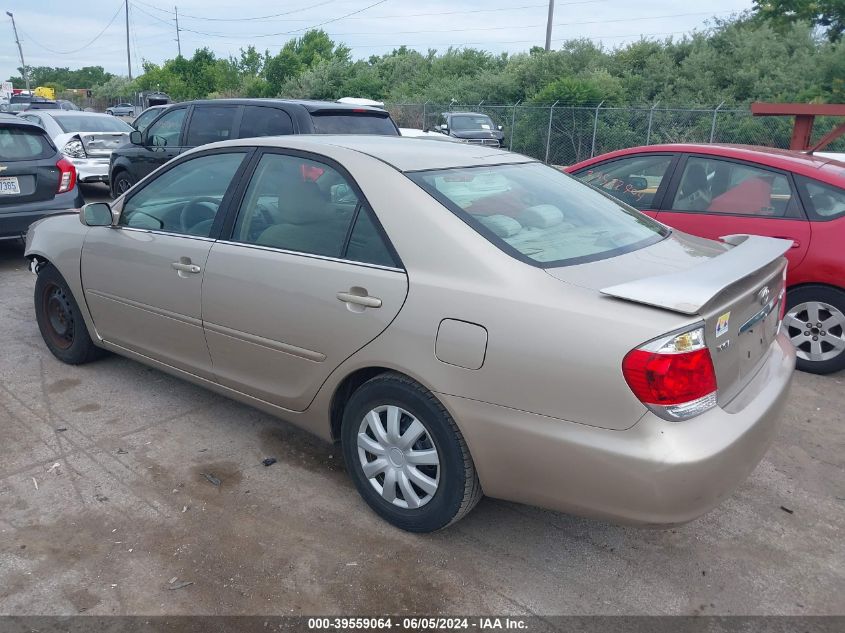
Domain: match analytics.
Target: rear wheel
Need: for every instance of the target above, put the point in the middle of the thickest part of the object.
(60, 320)
(815, 323)
(122, 182)
(406, 456)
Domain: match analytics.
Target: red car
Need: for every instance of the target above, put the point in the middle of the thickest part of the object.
(716, 190)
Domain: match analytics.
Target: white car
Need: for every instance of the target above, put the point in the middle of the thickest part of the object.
(425, 134)
(85, 138)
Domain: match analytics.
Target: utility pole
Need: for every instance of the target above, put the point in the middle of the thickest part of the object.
(549, 25)
(128, 56)
(178, 40)
(20, 50)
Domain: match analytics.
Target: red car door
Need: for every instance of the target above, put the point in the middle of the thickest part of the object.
(714, 196)
(639, 180)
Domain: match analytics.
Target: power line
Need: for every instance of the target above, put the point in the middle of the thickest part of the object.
(258, 17)
(81, 48)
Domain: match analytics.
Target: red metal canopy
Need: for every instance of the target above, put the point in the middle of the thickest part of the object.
(805, 114)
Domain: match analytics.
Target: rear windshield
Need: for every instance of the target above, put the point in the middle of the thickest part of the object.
(353, 123)
(80, 123)
(21, 143)
(539, 215)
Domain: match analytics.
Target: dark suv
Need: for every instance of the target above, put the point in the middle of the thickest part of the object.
(183, 126)
(35, 179)
(472, 127)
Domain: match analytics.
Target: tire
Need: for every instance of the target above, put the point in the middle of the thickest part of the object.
(815, 323)
(121, 183)
(60, 320)
(456, 488)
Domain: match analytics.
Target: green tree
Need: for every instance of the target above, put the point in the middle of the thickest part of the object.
(829, 14)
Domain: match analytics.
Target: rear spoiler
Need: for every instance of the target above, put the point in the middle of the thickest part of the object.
(688, 291)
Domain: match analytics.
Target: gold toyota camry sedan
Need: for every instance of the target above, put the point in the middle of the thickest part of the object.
(462, 320)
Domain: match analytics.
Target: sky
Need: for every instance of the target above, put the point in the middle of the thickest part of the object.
(93, 32)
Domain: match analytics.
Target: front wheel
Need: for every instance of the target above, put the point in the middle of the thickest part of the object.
(60, 320)
(815, 323)
(122, 183)
(406, 455)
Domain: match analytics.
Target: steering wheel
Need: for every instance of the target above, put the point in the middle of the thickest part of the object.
(196, 211)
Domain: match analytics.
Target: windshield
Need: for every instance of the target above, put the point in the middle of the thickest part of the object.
(540, 215)
(83, 123)
(349, 123)
(466, 123)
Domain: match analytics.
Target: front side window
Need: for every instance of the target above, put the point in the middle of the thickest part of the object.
(825, 202)
(297, 204)
(633, 180)
(144, 119)
(719, 186)
(210, 124)
(165, 132)
(184, 199)
(539, 214)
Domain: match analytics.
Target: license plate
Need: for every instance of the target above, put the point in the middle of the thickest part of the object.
(9, 186)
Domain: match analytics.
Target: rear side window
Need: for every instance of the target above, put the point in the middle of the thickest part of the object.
(353, 123)
(824, 202)
(210, 124)
(264, 121)
(540, 215)
(20, 143)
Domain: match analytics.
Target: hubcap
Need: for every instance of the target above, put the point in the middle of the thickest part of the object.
(59, 314)
(398, 457)
(817, 330)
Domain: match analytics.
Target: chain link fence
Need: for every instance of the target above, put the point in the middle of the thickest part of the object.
(563, 135)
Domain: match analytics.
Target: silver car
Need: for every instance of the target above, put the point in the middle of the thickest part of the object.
(85, 138)
(462, 320)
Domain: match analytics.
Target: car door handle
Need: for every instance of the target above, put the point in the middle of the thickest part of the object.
(795, 243)
(185, 268)
(360, 300)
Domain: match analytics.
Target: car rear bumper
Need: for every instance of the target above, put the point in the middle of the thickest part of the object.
(91, 169)
(15, 221)
(655, 473)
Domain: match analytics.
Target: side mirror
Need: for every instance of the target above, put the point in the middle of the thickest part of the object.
(444, 127)
(136, 138)
(96, 214)
(500, 128)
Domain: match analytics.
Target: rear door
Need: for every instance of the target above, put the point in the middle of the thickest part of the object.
(28, 171)
(714, 196)
(639, 180)
(211, 123)
(305, 280)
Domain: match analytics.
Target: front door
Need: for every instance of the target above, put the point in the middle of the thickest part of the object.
(305, 280)
(162, 141)
(143, 277)
(714, 197)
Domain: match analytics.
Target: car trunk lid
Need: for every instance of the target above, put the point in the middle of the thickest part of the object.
(101, 144)
(735, 288)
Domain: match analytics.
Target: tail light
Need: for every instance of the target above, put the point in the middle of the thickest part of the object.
(67, 175)
(75, 149)
(673, 376)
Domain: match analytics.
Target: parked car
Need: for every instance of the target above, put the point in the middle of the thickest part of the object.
(35, 179)
(143, 120)
(182, 126)
(504, 329)
(471, 127)
(121, 109)
(715, 190)
(428, 136)
(85, 138)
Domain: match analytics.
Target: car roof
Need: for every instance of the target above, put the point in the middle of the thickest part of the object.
(74, 113)
(13, 119)
(787, 159)
(405, 154)
(310, 105)
(464, 114)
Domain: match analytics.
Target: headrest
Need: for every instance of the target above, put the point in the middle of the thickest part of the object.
(541, 216)
(501, 225)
